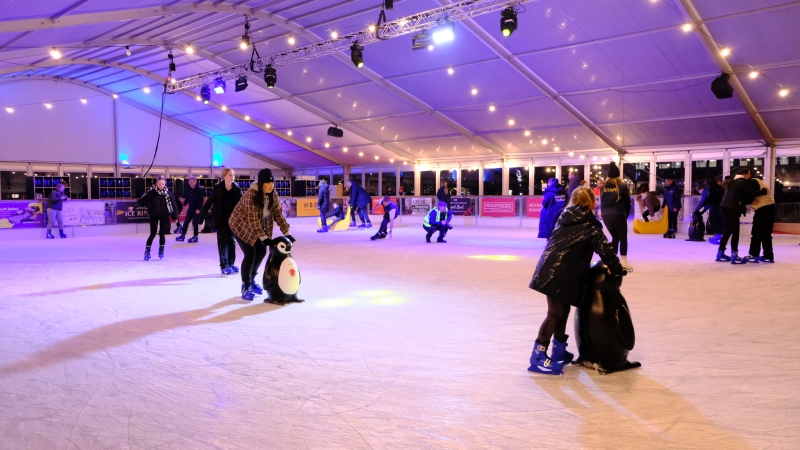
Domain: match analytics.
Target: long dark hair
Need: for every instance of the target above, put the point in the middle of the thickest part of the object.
(258, 200)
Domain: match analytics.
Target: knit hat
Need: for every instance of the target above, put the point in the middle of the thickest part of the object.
(265, 176)
(613, 170)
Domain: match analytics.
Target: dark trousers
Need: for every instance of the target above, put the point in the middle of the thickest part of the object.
(556, 321)
(191, 215)
(226, 246)
(763, 222)
(162, 230)
(384, 229)
(253, 256)
(672, 220)
(323, 219)
(730, 220)
(715, 220)
(430, 230)
(364, 215)
(617, 225)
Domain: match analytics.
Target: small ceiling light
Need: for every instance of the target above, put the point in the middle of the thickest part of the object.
(357, 54)
(527, 133)
(544, 141)
(594, 158)
(753, 74)
(268, 126)
(344, 149)
(219, 86)
(474, 91)
(289, 132)
(55, 53)
(508, 21)
(725, 52)
(146, 89)
(376, 158)
(115, 95)
(571, 154)
(308, 139)
(334, 34)
(783, 92)
(360, 153)
(198, 98)
(372, 28)
(444, 33)
(205, 94)
(687, 27)
(450, 71)
(189, 49)
(247, 118)
(583, 156)
(492, 108)
(9, 109)
(224, 108)
(557, 148)
(270, 76)
(511, 122)
(291, 40)
(48, 105)
(405, 162)
(245, 37)
(84, 101)
(327, 145)
(430, 48)
(127, 51)
(391, 160)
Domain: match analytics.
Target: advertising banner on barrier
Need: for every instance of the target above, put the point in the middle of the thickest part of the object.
(289, 207)
(462, 206)
(377, 205)
(122, 215)
(533, 206)
(417, 206)
(307, 207)
(498, 207)
(21, 214)
(85, 213)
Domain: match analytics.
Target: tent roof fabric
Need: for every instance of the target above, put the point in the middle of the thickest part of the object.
(585, 75)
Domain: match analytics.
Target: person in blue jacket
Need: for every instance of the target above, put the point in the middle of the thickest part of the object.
(437, 219)
(673, 200)
(710, 200)
(337, 214)
(359, 198)
(387, 225)
(323, 204)
(554, 201)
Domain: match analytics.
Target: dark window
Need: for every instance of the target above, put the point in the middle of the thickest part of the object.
(14, 185)
(469, 181)
(540, 177)
(493, 181)
(407, 182)
(428, 184)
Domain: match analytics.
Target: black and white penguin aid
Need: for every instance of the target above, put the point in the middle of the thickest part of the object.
(281, 275)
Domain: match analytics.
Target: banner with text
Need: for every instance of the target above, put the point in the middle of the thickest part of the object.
(86, 213)
(122, 215)
(533, 206)
(377, 205)
(416, 206)
(498, 207)
(462, 206)
(307, 207)
(21, 214)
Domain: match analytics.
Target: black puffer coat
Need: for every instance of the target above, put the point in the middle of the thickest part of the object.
(223, 202)
(157, 204)
(563, 268)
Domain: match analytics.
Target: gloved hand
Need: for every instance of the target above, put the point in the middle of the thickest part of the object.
(617, 270)
(289, 236)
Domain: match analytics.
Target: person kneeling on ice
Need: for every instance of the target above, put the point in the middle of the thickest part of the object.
(388, 218)
(437, 219)
(337, 215)
(561, 275)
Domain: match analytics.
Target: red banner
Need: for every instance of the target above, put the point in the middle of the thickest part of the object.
(533, 206)
(498, 207)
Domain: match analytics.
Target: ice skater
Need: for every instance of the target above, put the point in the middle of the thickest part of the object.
(615, 207)
(673, 200)
(161, 205)
(443, 194)
(438, 219)
(55, 203)
(574, 183)
(251, 222)
(763, 222)
(388, 218)
(649, 204)
(337, 214)
(323, 203)
(738, 195)
(561, 275)
(709, 201)
(553, 202)
(359, 198)
(224, 197)
(194, 198)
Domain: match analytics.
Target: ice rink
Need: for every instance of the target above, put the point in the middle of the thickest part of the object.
(400, 344)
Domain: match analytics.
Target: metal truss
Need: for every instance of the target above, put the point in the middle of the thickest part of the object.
(416, 23)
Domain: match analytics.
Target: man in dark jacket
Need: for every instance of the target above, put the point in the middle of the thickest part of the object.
(438, 219)
(710, 200)
(554, 201)
(224, 197)
(55, 204)
(360, 199)
(323, 203)
(194, 197)
(673, 200)
(574, 182)
(734, 203)
(443, 194)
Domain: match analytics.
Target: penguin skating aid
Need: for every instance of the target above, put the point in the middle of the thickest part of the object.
(281, 275)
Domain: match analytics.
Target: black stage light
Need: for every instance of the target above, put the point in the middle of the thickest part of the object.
(219, 86)
(721, 88)
(421, 40)
(172, 67)
(270, 76)
(357, 54)
(335, 132)
(205, 94)
(388, 4)
(508, 21)
(241, 83)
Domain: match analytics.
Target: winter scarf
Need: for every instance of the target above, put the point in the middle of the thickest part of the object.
(165, 193)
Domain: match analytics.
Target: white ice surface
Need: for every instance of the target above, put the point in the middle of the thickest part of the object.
(400, 344)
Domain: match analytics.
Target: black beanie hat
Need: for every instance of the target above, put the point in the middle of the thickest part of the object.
(265, 176)
(613, 170)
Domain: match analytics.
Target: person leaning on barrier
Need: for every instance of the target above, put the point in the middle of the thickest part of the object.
(438, 219)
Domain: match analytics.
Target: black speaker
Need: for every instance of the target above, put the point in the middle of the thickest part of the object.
(721, 88)
(138, 187)
(335, 132)
(178, 187)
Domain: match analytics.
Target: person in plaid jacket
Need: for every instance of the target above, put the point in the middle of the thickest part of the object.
(251, 223)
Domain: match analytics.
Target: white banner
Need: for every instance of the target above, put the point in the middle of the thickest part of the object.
(83, 213)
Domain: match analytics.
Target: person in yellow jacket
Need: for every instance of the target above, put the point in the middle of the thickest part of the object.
(438, 219)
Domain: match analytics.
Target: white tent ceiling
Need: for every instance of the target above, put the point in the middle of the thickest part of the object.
(582, 74)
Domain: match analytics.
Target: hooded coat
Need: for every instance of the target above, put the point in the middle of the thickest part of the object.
(563, 268)
(324, 197)
(554, 201)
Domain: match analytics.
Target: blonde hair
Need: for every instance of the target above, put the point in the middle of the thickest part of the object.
(583, 197)
(226, 171)
(616, 182)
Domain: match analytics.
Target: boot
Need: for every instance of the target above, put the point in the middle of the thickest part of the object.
(181, 238)
(247, 293)
(376, 237)
(624, 261)
(736, 260)
(560, 353)
(160, 252)
(256, 288)
(540, 363)
(226, 270)
(147, 253)
(178, 230)
(193, 239)
(61, 234)
(50, 235)
(721, 256)
(752, 259)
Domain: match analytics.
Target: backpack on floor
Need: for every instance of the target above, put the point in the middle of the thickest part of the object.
(697, 230)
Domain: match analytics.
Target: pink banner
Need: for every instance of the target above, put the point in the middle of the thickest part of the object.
(533, 206)
(498, 207)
